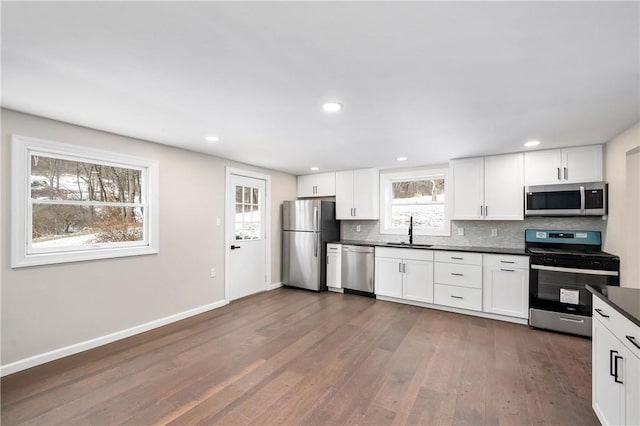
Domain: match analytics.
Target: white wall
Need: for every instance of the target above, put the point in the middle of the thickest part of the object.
(619, 223)
(46, 308)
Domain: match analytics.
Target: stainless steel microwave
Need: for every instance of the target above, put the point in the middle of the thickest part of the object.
(579, 199)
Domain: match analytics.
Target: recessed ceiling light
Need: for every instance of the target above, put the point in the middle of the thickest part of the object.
(212, 139)
(315, 169)
(401, 158)
(531, 143)
(332, 107)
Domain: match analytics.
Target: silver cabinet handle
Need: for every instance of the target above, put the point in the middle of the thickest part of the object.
(480, 210)
(507, 261)
(457, 258)
(566, 173)
(486, 211)
(582, 200)
(508, 270)
(400, 267)
(457, 297)
(559, 178)
(404, 268)
(457, 274)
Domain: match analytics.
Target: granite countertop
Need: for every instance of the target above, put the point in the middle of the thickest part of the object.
(492, 250)
(623, 299)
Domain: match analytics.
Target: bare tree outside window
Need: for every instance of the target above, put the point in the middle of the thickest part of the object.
(83, 203)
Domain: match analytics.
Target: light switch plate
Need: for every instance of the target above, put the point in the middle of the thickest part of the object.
(218, 221)
(357, 228)
(460, 231)
(494, 232)
(212, 273)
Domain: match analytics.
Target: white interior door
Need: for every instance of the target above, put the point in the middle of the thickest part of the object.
(246, 226)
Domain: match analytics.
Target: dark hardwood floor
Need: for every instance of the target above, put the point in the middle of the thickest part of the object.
(296, 357)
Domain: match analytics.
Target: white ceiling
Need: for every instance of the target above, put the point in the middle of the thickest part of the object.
(430, 81)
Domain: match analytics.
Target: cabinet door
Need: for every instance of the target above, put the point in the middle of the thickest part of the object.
(582, 164)
(306, 185)
(388, 276)
(606, 393)
(468, 188)
(504, 187)
(542, 167)
(418, 281)
(631, 379)
(334, 270)
(366, 194)
(344, 195)
(325, 184)
(506, 291)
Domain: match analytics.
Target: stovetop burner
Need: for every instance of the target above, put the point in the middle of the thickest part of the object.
(569, 252)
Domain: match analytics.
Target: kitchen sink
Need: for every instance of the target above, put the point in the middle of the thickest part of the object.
(408, 245)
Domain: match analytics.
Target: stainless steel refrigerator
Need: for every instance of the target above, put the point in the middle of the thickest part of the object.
(307, 225)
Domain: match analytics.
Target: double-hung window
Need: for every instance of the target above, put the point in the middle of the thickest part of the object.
(420, 194)
(72, 203)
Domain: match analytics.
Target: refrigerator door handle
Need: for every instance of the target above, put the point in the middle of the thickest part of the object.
(315, 244)
(315, 219)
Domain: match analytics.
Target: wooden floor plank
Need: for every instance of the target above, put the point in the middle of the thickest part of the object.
(296, 357)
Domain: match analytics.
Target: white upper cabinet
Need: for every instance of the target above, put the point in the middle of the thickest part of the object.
(317, 185)
(504, 187)
(567, 165)
(488, 188)
(468, 188)
(358, 194)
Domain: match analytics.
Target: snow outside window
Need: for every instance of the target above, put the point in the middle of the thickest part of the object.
(417, 193)
(73, 203)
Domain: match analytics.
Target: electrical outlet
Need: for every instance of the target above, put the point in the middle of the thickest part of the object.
(494, 232)
(357, 228)
(212, 273)
(460, 231)
(218, 221)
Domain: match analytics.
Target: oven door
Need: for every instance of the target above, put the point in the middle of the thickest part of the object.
(560, 289)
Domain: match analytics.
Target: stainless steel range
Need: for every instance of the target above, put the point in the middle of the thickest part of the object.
(562, 264)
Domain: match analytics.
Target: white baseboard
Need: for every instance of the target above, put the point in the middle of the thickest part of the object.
(514, 320)
(23, 364)
(273, 286)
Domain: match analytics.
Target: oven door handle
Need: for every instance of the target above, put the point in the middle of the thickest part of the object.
(575, 270)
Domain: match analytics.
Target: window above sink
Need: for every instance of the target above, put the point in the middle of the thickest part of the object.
(417, 193)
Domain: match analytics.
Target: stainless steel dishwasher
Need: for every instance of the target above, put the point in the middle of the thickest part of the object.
(357, 269)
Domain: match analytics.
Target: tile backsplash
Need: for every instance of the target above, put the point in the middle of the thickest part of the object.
(476, 232)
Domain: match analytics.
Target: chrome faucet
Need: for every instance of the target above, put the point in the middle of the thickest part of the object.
(411, 230)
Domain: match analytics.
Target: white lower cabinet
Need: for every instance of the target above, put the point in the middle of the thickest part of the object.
(506, 285)
(458, 280)
(486, 283)
(404, 274)
(334, 265)
(615, 368)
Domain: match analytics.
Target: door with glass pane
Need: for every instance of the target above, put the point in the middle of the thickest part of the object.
(247, 250)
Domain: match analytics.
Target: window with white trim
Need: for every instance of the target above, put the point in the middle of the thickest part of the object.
(417, 193)
(72, 203)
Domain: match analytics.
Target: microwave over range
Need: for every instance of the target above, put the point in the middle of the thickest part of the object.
(579, 199)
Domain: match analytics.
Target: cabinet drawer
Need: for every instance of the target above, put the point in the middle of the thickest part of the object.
(460, 275)
(334, 248)
(620, 326)
(458, 257)
(506, 261)
(402, 253)
(458, 297)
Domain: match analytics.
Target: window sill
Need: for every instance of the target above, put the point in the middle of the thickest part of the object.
(78, 256)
